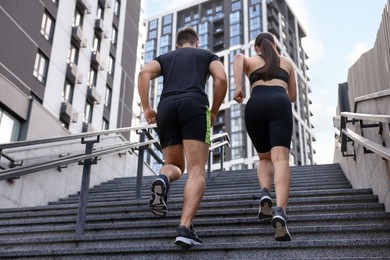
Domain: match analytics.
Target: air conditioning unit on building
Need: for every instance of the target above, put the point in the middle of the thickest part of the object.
(93, 95)
(77, 35)
(67, 112)
(96, 60)
(99, 27)
(72, 74)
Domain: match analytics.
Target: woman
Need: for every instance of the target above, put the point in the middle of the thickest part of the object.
(268, 119)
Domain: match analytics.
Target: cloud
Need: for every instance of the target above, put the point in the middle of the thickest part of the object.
(356, 52)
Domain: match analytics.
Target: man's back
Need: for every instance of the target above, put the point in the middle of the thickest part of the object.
(185, 70)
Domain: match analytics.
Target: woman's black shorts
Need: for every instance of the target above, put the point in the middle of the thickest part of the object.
(268, 118)
(184, 118)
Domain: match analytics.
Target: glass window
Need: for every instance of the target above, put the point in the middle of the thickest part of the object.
(73, 54)
(67, 92)
(235, 110)
(235, 29)
(9, 127)
(167, 29)
(235, 17)
(152, 34)
(107, 97)
(100, 11)
(149, 56)
(236, 6)
(167, 19)
(96, 43)
(254, 11)
(165, 40)
(117, 7)
(41, 66)
(150, 45)
(47, 26)
(78, 18)
(88, 111)
(114, 36)
(92, 78)
(111, 65)
(153, 25)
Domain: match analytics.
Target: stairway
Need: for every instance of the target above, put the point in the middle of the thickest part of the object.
(327, 219)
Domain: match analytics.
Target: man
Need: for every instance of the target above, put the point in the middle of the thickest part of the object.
(183, 121)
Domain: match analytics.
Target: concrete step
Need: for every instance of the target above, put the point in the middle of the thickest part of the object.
(347, 248)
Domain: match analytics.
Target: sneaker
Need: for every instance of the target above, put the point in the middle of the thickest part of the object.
(279, 224)
(158, 202)
(186, 237)
(265, 211)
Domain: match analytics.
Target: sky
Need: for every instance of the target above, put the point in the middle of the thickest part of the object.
(338, 32)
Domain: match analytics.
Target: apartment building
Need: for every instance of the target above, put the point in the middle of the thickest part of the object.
(228, 27)
(67, 66)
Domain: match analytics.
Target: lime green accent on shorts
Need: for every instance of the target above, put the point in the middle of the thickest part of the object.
(208, 125)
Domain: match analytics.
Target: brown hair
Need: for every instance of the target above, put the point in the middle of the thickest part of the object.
(186, 35)
(266, 42)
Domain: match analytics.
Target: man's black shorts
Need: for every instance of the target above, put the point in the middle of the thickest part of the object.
(184, 118)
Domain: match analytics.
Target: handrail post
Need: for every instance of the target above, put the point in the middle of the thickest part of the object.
(140, 167)
(82, 210)
(222, 156)
(209, 166)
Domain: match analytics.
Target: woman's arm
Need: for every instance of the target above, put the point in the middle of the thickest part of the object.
(238, 69)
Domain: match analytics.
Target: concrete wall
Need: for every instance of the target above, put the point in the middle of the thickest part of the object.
(369, 170)
(39, 188)
(371, 75)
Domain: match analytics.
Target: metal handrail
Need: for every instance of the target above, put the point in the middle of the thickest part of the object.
(349, 135)
(90, 156)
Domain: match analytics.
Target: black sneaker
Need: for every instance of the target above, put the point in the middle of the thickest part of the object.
(279, 224)
(186, 237)
(265, 211)
(158, 202)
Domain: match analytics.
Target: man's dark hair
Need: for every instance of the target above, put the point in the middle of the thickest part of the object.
(186, 35)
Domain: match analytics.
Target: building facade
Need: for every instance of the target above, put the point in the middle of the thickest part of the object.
(67, 66)
(228, 27)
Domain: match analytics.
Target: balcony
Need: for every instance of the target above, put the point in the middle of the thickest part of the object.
(68, 113)
(93, 95)
(73, 75)
(96, 60)
(84, 6)
(87, 127)
(99, 28)
(77, 36)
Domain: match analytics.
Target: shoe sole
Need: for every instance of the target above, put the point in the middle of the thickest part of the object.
(157, 203)
(280, 227)
(186, 242)
(265, 211)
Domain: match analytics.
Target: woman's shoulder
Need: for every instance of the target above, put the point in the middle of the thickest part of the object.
(286, 62)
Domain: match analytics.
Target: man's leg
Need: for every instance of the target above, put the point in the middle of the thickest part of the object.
(196, 153)
(172, 169)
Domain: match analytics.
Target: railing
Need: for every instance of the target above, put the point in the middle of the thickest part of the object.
(14, 170)
(346, 135)
(87, 158)
(218, 141)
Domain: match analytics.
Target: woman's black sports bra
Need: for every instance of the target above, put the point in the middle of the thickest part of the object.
(279, 74)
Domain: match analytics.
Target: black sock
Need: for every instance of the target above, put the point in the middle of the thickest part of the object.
(165, 178)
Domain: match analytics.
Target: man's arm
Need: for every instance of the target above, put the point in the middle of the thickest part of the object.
(151, 71)
(218, 73)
